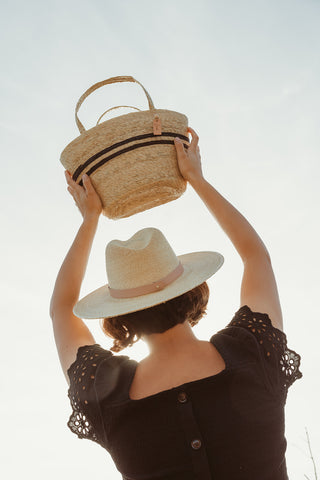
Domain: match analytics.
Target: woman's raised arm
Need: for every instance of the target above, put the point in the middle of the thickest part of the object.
(258, 288)
(70, 332)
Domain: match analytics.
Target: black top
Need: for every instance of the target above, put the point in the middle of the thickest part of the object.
(226, 426)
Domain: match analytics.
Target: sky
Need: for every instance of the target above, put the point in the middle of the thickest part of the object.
(246, 74)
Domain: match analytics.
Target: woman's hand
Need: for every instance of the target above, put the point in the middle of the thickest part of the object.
(86, 198)
(189, 160)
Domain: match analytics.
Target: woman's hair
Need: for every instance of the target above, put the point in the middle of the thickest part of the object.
(189, 306)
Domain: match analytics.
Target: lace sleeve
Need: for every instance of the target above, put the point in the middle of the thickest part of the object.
(85, 419)
(281, 362)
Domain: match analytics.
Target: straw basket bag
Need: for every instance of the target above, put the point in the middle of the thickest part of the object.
(131, 159)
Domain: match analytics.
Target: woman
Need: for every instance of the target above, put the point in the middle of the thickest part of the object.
(191, 409)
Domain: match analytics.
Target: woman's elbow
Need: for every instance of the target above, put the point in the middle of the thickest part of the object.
(51, 309)
(260, 253)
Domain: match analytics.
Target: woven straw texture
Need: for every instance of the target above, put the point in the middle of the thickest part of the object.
(131, 168)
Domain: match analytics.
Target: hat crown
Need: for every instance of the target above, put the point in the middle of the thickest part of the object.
(143, 259)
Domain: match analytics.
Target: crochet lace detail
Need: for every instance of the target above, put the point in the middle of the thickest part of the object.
(81, 391)
(79, 423)
(273, 341)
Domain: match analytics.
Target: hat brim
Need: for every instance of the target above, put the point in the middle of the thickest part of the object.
(198, 267)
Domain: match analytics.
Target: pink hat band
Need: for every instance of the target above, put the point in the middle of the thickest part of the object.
(149, 288)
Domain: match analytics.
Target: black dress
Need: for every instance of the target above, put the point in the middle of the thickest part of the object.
(228, 426)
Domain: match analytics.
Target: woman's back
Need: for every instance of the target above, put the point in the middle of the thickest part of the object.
(220, 424)
(154, 375)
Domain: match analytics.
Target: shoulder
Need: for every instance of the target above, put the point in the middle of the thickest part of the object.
(260, 327)
(252, 333)
(237, 345)
(88, 358)
(98, 373)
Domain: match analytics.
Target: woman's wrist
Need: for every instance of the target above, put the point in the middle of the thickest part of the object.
(91, 218)
(196, 181)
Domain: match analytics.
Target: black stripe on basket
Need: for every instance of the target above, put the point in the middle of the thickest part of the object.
(84, 165)
(120, 152)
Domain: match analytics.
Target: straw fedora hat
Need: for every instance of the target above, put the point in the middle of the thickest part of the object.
(144, 271)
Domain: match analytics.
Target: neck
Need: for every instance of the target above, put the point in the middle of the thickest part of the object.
(177, 340)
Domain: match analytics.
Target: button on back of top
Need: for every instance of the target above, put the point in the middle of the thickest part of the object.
(196, 444)
(182, 397)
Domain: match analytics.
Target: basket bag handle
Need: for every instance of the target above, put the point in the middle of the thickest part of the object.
(101, 84)
(113, 108)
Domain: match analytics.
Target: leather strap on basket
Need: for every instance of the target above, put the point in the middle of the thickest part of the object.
(113, 108)
(101, 84)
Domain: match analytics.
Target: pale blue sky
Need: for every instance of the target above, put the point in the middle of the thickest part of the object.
(246, 73)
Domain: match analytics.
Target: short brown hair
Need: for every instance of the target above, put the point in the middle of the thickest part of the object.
(189, 306)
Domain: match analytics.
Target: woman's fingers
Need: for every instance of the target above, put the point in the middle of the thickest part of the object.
(73, 188)
(72, 193)
(85, 196)
(87, 184)
(179, 144)
(68, 176)
(74, 185)
(195, 138)
(69, 179)
(193, 132)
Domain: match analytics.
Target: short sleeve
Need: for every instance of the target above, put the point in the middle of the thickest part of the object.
(281, 364)
(85, 420)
